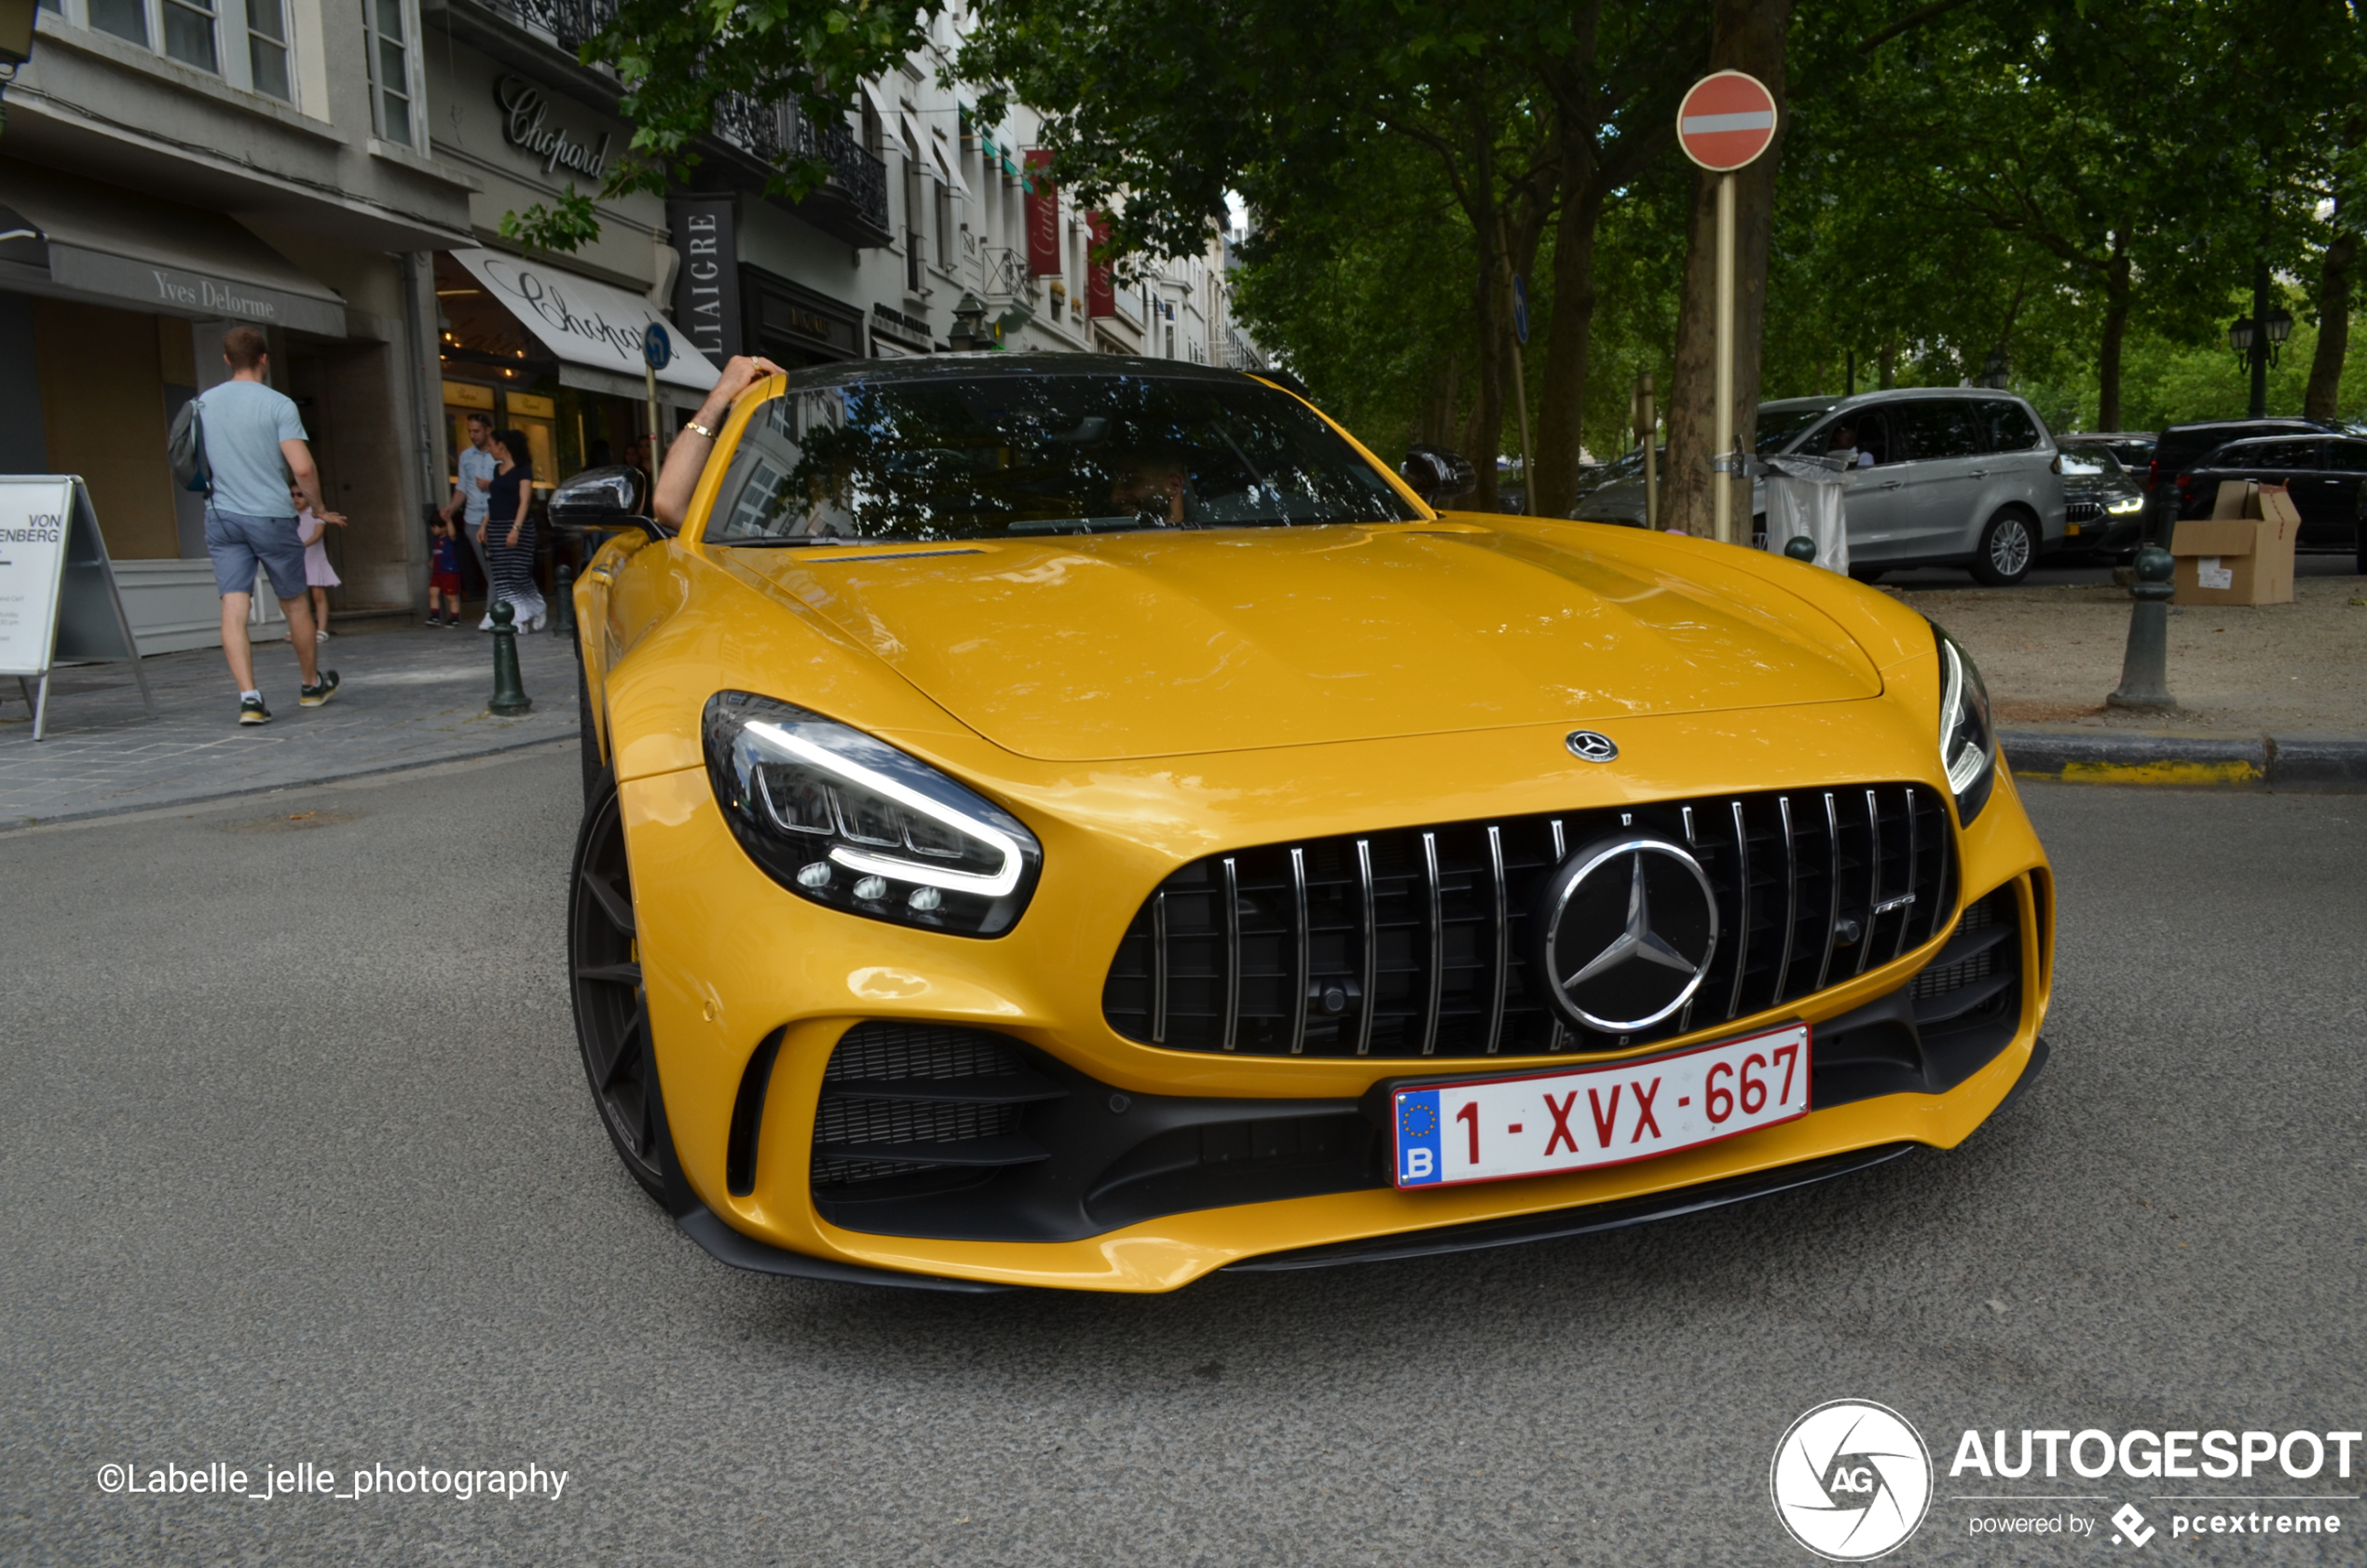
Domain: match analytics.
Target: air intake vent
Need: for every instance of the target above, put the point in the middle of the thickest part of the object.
(1412, 942)
(907, 1110)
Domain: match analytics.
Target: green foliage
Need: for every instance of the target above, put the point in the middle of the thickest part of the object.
(566, 225)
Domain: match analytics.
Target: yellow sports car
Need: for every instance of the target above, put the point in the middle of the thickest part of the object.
(1085, 822)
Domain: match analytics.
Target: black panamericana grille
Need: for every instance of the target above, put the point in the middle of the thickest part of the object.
(1414, 942)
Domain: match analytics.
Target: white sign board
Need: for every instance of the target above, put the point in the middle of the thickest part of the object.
(589, 324)
(36, 514)
(58, 598)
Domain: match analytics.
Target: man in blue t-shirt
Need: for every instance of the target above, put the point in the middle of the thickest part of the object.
(256, 446)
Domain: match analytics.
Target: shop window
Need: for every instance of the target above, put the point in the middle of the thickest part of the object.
(390, 56)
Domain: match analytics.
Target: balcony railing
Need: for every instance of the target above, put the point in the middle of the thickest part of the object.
(569, 23)
(773, 133)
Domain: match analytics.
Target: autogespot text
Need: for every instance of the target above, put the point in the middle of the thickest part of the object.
(268, 1484)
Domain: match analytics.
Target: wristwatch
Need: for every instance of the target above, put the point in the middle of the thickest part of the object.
(696, 429)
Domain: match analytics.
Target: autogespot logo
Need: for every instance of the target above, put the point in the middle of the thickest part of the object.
(1851, 1480)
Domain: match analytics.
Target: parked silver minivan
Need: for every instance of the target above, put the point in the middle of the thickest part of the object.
(1944, 476)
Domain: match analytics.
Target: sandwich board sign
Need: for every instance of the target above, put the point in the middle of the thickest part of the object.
(58, 597)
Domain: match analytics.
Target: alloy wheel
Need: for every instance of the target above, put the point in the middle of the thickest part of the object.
(611, 1005)
(2006, 551)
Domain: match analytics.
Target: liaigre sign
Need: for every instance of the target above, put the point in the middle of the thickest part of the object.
(526, 125)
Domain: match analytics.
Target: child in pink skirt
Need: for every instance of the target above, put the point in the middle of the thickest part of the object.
(319, 576)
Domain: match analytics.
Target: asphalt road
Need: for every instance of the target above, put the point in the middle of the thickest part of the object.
(298, 1166)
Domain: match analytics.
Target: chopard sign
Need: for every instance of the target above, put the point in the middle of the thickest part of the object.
(523, 113)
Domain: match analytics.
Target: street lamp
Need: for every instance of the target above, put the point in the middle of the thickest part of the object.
(969, 324)
(2240, 338)
(1995, 374)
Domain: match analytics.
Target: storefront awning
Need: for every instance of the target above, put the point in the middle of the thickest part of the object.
(594, 329)
(79, 237)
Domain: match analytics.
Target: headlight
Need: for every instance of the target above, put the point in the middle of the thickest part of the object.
(850, 823)
(2125, 504)
(1967, 736)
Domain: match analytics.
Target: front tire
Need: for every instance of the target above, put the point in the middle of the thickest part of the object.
(2008, 548)
(611, 1003)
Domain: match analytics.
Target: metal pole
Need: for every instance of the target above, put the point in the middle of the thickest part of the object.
(1649, 423)
(2260, 340)
(2144, 670)
(1722, 525)
(657, 458)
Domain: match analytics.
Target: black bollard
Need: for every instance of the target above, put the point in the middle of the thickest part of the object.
(562, 590)
(2144, 670)
(508, 693)
(1799, 547)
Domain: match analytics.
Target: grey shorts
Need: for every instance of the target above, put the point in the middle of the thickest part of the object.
(239, 543)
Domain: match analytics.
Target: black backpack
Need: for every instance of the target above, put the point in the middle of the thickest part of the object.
(184, 449)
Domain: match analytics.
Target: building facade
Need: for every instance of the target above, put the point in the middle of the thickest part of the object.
(339, 176)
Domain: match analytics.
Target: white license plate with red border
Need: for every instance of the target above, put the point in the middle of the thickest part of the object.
(1496, 1129)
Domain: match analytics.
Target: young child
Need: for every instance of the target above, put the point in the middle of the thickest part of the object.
(319, 576)
(444, 573)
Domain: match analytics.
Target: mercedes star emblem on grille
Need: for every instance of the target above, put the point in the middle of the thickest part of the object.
(1592, 745)
(1630, 927)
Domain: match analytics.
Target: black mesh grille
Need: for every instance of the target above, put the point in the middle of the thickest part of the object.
(913, 1061)
(1412, 941)
(2083, 512)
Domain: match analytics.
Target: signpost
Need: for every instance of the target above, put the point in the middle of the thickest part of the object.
(58, 597)
(657, 352)
(1727, 120)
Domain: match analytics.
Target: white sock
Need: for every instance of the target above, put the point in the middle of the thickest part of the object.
(244, 695)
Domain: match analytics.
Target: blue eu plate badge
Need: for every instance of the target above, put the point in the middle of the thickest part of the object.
(1418, 1161)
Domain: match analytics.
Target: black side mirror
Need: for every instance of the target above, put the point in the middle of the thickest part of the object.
(604, 498)
(1436, 474)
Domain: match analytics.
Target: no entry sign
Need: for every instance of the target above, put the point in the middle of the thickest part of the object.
(1726, 121)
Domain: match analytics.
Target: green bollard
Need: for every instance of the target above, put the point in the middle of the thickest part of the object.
(562, 590)
(2144, 668)
(1800, 547)
(508, 693)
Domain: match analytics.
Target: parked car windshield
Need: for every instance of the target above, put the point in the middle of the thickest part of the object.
(997, 455)
(2082, 458)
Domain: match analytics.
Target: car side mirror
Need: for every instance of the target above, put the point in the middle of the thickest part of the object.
(1436, 474)
(603, 500)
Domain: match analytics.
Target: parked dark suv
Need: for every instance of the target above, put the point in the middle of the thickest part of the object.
(2326, 473)
(2178, 448)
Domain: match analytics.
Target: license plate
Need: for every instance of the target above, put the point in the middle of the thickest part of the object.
(1495, 1129)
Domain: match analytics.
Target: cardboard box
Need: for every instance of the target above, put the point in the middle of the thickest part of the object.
(2243, 552)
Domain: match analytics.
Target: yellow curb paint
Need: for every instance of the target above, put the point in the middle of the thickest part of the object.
(2235, 771)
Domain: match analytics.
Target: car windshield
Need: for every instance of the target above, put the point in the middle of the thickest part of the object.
(2081, 459)
(995, 455)
(1778, 427)
(1627, 465)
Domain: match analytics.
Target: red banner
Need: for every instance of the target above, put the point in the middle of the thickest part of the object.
(1042, 218)
(1101, 299)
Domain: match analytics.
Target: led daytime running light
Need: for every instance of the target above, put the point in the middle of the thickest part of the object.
(995, 886)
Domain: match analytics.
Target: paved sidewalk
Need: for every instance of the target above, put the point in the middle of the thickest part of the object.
(2049, 654)
(412, 696)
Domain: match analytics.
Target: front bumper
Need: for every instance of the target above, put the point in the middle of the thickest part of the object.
(739, 972)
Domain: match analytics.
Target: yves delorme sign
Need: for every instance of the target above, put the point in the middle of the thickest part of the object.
(191, 293)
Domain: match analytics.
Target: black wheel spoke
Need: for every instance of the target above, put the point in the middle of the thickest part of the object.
(616, 905)
(612, 974)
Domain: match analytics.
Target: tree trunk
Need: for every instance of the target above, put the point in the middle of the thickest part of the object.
(1886, 364)
(2115, 334)
(1744, 36)
(1560, 432)
(1485, 435)
(1436, 425)
(2324, 393)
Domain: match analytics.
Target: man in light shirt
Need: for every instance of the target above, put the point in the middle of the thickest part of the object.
(256, 451)
(477, 466)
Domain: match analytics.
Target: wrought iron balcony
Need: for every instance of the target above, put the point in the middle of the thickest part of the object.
(853, 201)
(569, 23)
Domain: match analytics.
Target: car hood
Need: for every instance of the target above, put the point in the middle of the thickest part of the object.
(1149, 645)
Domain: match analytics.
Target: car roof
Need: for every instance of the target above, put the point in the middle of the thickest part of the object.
(2275, 424)
(979, 364)
(2276, 436)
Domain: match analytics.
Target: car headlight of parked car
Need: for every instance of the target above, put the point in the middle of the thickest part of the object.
(850, 822)
(2125, 504)
(1968, 733)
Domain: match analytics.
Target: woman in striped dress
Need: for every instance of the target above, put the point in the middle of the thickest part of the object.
(508, 533)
